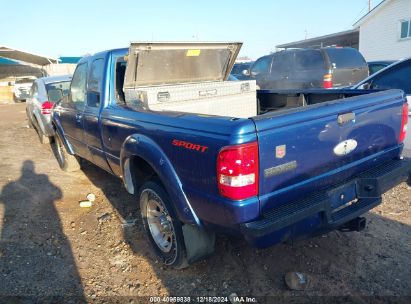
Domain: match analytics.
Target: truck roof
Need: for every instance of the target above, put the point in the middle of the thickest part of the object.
(120, 51)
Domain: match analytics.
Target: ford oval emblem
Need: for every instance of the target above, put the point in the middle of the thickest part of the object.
(345, 147)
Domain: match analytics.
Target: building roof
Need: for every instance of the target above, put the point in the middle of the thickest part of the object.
(371, 13)
(7, 61)
(72, 60)
(19, 55)
(345, 38)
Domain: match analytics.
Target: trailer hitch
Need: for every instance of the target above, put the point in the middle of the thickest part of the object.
(357, 224)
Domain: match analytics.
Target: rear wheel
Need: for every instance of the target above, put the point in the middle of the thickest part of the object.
(43, 138)
(29, 121)
(67, 162)
(161, 224)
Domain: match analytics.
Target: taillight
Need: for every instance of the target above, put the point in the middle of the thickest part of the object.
(237, 171)
(328, 81)
(46, 107)
(404, 122)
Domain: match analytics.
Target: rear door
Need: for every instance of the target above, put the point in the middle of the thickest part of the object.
(92, 130)
(301, 145)
(71, 114)
(348, 66)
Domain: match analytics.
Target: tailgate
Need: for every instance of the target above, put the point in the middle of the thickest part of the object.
(302, 145)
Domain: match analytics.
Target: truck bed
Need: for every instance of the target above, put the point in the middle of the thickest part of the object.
(274, 100)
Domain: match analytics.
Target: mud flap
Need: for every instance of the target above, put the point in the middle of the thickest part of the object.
(199, 243)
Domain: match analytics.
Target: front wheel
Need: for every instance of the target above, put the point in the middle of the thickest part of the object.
(161, 224)
(67, 162)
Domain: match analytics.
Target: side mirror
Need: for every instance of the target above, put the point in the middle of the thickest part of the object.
(246, 72)
(365, 86)
(55, 95)
(62, 101)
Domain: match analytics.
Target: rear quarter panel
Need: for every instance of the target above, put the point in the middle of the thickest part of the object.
(196, 168)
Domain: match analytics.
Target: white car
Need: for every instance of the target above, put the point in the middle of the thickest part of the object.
(22, 87)
(394, 76)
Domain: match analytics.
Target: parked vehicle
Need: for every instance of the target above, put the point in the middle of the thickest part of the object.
(330, 67)
(239, 68)
(44, 93)
(375, 66)
(22, 87)
(269, 176)
(394, 76)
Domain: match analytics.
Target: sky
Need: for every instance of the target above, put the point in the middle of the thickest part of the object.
(74, 28)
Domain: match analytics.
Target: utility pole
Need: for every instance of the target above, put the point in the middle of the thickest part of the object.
(369, 5)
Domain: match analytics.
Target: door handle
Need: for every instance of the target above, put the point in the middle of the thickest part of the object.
(347, 117)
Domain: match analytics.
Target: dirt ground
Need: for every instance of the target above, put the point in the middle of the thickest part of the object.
(49, 246)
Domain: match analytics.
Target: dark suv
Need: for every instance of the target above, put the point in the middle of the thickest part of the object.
(309, 68)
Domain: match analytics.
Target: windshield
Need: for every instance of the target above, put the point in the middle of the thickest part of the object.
(25, 80)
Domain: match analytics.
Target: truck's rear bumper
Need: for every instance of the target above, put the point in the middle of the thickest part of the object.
(328, 209)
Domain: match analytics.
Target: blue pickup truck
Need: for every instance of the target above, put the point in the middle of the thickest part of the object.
(306, 163)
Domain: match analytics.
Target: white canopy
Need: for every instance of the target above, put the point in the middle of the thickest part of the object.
(10, 53)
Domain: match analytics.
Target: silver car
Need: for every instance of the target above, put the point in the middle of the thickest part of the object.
(44, 93)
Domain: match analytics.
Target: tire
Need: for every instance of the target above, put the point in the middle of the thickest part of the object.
(43, 138)
(29, 122)
(162, 227)
(66, 161)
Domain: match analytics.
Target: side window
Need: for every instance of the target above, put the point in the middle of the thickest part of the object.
(395, 78)
(78, 86)
(262, 65)
(94, 83)
(120, 73)
(374, 68)
(405, 29)
(282, 62)
(309, 60)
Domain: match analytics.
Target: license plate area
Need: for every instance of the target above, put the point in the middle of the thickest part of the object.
(342, 196)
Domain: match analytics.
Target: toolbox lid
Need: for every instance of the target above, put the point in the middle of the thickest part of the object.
(157, 63)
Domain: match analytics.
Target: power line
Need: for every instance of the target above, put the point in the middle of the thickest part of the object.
(362, 12)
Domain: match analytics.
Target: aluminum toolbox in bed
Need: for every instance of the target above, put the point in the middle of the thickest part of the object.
(224, 98)
(188, 77)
